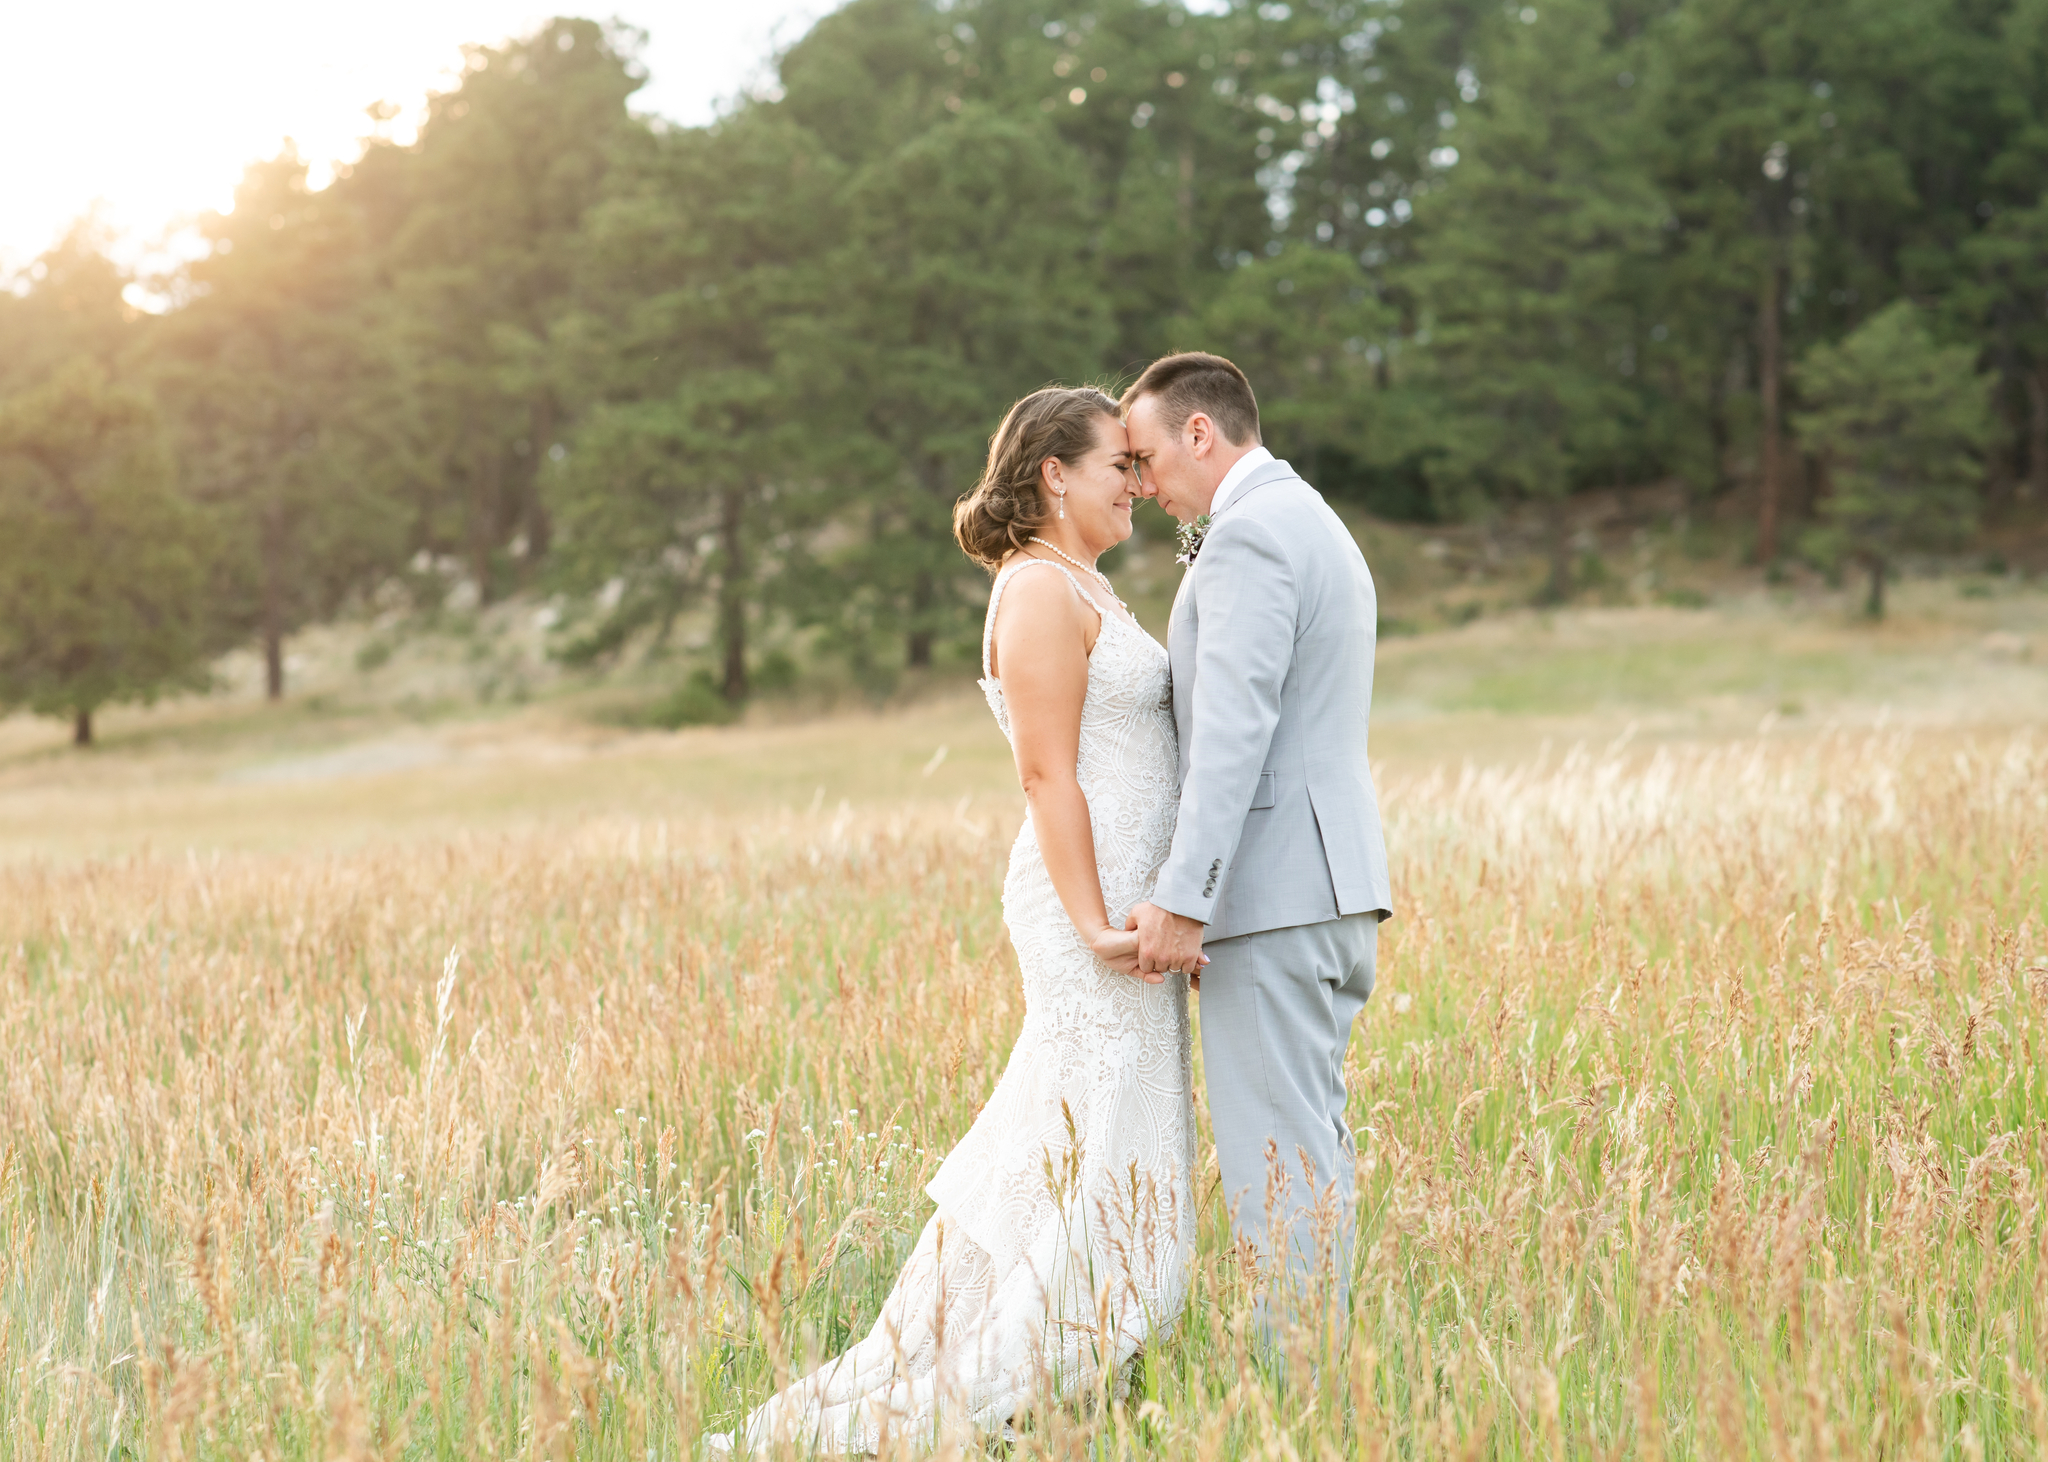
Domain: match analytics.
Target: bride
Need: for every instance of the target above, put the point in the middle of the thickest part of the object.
(1065, 1218)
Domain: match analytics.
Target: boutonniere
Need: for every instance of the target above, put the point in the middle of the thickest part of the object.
(1189, 537)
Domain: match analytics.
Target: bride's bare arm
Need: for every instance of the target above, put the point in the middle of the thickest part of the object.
(1042, 637)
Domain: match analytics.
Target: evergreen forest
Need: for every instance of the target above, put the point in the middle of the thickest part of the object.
(1475, 257)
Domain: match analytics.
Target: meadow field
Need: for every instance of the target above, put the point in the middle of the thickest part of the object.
(493, 1084)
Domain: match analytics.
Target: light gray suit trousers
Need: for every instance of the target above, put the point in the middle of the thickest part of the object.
(1278, 849)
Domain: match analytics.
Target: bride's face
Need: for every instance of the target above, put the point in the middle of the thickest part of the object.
(1099, 490)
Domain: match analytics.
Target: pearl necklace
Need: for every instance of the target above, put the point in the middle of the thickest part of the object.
(1086, 568)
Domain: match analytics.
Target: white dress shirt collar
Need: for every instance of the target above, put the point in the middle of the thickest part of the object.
(1233, 480)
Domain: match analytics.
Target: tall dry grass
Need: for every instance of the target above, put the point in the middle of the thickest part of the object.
(1701, 1113)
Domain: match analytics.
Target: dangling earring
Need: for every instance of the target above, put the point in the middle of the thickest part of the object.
(1063, 505)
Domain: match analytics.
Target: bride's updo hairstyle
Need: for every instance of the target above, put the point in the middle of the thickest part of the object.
(999, 515)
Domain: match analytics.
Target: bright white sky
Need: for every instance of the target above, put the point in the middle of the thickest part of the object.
(150, 110)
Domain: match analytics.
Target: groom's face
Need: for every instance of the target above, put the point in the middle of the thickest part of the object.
(1174, 466)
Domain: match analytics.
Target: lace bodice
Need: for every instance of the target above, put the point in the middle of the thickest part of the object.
(1066, 1217)
(1128, 765)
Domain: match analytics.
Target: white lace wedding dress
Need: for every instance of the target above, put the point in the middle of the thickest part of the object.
(1065, 1218)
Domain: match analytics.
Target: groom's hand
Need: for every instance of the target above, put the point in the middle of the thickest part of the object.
(1167, 941)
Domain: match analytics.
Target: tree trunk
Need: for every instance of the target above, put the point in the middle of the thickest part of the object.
(2037, 432)
(81, 727)
(732, 594)
(273, 664)
(1823, 485)
(1804, 488)
(1874, 605)
(1558, 588)
(273, 605)
(1769, 346)
(1717, 420)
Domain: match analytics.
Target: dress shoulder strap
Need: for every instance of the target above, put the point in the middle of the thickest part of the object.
(995, 597)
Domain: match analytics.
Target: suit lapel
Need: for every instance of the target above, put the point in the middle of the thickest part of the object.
(1269, 472)
(1262, 476)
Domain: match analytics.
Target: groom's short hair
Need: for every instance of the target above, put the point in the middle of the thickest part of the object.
(1195, 381)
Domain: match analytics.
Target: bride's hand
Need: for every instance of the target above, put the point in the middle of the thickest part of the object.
(1118, 948)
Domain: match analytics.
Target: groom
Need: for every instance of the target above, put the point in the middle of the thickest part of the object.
(1278, 869)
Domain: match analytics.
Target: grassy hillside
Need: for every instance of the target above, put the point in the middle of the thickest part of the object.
(528, 1102)
(370, 746)
(401, 1071)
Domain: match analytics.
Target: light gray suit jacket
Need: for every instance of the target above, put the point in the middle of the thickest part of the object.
(1272, 642)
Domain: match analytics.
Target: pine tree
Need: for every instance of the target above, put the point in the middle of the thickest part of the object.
(101, 574)
(1901, 422)
(1769, 124)
(965, 281)
(281, 383)
(1309, 329)
(1527, 245)
(1996, 281)
(1351, 101)
(1156, 103)
(475, 228)
(699, 451)
(72, 310)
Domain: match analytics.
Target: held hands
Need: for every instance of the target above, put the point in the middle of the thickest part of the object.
(1166, 941)
(1119, 949)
